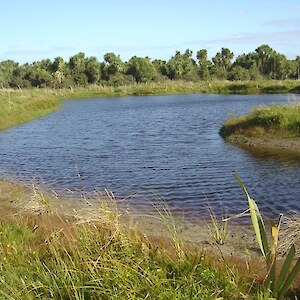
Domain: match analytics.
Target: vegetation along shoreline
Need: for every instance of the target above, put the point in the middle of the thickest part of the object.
(96, 251)
(199, 259)
(274, 128)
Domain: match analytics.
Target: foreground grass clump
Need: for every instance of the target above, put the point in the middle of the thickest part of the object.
(44, 255)
(48, 258)
(279, 120)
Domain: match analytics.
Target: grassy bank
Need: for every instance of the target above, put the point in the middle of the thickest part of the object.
(46, 255)
(19, 106)
(267, 121)
(54, 258)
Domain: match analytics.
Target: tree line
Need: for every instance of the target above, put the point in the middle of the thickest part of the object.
(79, 70)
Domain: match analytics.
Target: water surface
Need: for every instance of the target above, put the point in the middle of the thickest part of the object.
(148, 148)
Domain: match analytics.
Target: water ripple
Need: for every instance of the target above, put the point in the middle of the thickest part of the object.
(149, 149)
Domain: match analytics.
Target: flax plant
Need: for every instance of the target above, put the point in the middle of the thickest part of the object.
(277, 284)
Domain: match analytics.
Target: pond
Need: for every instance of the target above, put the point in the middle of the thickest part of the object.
(150, 148)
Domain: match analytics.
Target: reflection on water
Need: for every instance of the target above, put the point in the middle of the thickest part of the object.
(152, 148)
(280, 156)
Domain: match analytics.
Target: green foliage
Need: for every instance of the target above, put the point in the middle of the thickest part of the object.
(204, 65)
(278, 285)
(239, 73)
(222, 63)
(182, 66)
(279, 120)
(142, 69)
(17, 106)
(91, 262)
(263, 63)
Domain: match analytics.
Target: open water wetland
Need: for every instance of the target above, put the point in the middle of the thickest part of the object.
(153, 150)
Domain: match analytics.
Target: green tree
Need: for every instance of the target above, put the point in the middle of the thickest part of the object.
(239, 73)
(263, 55)
(204, 65)
(20, 77)
(92, 70)
(245, 60)
(248, 61)
(77, 69)
(161, 66)
(7, 69)
(60, 72)
(142, 69)
(120, 79)
(112, 65)
(278, 65)
(40, 74)
(182, 66)
(222, 63)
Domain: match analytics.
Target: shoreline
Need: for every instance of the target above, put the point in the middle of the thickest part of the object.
(20, 201)
(279, 146)
(189, 232)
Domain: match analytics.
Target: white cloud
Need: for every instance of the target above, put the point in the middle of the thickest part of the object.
(255, 38)
(63, 48)
(292, 22)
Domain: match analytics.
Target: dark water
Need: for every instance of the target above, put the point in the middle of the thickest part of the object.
(147, 148)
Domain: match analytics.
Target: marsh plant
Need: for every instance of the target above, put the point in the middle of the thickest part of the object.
(218, 229)
(277, 285)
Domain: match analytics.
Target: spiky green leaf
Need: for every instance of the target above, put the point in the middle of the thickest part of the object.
(257, 221)
(289, 280)
(285, 268)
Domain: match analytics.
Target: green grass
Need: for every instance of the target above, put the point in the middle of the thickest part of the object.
(51, 256)
(17, 107)
(277, 120)
(93, 262)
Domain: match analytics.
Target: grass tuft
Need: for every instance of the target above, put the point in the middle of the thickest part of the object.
(277, 120)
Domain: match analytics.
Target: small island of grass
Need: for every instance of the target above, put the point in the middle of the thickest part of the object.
(270, 127)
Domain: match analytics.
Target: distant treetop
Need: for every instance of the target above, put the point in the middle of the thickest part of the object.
(263, 63)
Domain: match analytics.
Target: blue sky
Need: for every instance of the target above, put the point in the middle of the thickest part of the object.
(36, 29)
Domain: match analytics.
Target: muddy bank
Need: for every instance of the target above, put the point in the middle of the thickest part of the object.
(273, 145)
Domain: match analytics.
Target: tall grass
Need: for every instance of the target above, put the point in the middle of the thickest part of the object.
(44, 255)
(277, 120)
(47, 257)
(17, 107)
